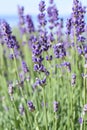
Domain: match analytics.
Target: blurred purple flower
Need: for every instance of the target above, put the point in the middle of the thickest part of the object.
(31, 106)
(55, 106)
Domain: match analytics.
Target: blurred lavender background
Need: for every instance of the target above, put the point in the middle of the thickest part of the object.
(8, 9)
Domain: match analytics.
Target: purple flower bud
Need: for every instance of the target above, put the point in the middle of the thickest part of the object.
(5, 29)
(42, 6)
(59, 50)
(24, 67)
(49, 58)
(85, 108)
(73, 81)
(31, 106)
(80, 120)
(21, 109)
(55, 106)
(30, 26)
(10, 89)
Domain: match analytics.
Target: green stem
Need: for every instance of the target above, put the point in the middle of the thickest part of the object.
(15, 63)
(81, 127)
(45, 110)
(72, 112)
(18, 113)
(55, 122)
(84, 95)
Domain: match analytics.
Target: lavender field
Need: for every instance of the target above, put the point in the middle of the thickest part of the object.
(43, 70)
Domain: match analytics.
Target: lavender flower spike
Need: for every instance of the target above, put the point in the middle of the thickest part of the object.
(31, 106)
(21, 109)
(80, 120)
(85, 109)
(55, 106)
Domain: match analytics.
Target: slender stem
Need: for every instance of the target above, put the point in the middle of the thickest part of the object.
(15, 63)
(13, 103)
(84, 96)
(55, 122)
(72, 110)
(45, 110)
(81, 127)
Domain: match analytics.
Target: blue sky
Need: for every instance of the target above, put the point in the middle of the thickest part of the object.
(9, 7)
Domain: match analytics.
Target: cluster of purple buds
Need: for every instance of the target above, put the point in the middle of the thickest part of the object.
(80, 120)
(41, 19)
(5, 31)
(12, 43)
(59, 30)
(25, 67)
(36, 49)
(21, 109)
(39, 82)
(52, 15)
(67, 64)
(73, 81)
(59, 50)
(36, 54)
(81, 39)
(55, 106)
(22, 78)
(69, 25)
(9, 39)
(21, 19)
(29, 24)
(31, 106)
(30, 41)
(10, 89)
(49, 58)
(85, 109)
(78, 17)
(80, 51)
(11, 56)
(76, 23)
(85, 52)
(41, 15)
(44, 42)
(43, 38)
(42, 6)
(21, 15)
(41, 68)
(37, 57)
(51, 1)
(50, 38)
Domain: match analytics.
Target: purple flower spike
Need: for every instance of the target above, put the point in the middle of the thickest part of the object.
(51, 1)
(21, 109)
(85, 108)
(31, 106)
(73, 81)
(59, 50)
(76, 23)
(5, 29)
(55, 106)
(30, 26)
(52, 15)
(24, 67)
(80, 120)
(10, 89)
(42, 6)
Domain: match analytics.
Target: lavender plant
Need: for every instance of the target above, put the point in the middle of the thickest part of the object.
(43, 79)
